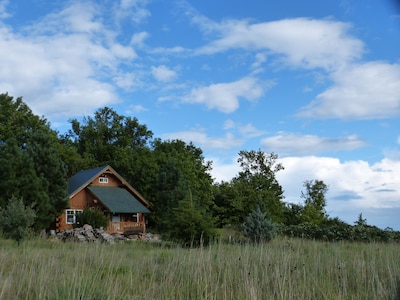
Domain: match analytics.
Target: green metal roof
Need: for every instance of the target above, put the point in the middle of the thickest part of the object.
(81, 178)
(118, 199)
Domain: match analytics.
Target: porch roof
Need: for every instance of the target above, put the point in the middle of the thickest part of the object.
(118, 199)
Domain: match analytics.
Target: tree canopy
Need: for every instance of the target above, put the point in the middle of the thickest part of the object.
(30, 158)
(171, 174)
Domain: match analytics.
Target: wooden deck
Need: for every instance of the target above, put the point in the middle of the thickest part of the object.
(127, 227)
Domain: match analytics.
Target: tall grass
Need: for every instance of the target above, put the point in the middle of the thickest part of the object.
(282, 269)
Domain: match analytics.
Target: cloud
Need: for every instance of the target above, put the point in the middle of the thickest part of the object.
(3, 9)
(62, 59)
(294, 144)
(306, 43)
(247, 130)
(135, 10)
(200, 139)
(225, 96)
(163, 73)
(354, 186)
(360, 91)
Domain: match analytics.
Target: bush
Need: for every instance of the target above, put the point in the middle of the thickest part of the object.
(93, 217)
(258, 227)
(191, 226)
(16, 219)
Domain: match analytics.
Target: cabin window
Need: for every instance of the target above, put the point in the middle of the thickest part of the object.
(71, 215)
(135, 217)
(103, 180)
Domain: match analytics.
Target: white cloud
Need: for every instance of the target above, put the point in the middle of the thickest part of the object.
(259, 59)
(225, 96)
(354, 186)
(200, 139)
(247, 131)
(135, 10)
(295, 144)
(306, 43)
(139, 38)
(360, 91)
(163, 73)
(223, 170)
(66, 65)
(133, 109)
(3, 9)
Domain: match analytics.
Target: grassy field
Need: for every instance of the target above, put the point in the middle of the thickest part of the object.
(282, 269)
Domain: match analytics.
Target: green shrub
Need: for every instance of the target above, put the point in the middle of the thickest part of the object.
(93, 217)
(258, 227)
(16, 219)
(191, 226)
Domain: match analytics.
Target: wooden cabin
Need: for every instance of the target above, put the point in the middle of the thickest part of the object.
(103, 188)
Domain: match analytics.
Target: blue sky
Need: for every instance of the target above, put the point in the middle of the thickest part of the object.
(316, 82)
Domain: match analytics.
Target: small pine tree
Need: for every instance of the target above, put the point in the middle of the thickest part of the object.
(94, 217)
(258, 227)
(16, 219)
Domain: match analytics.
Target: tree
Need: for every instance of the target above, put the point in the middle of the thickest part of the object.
(16, 219)
(293, 214)
(256, 185)
(94, 217)
(258, 227)
(315, 202)
(361, 221)
(182, 192)
(97, 138)
(228, 205)
(31, 162)
(193, 226)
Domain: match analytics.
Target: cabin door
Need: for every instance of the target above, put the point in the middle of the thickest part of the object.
(116, 218)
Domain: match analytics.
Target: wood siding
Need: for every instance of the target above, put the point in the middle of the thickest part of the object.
(84, 199)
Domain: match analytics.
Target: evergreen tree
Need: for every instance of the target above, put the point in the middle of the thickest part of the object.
(258, 227)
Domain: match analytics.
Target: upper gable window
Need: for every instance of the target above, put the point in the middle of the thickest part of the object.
(103, 179)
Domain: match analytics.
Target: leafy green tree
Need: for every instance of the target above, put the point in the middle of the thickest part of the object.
(258, 227)
(256, 185)
(94, 217)
(99, 137)
(360, 221)
(315, 202)
(16, 219)
(293, 214)
(17, 121)
(182, 175)
(30, 161)
(170, 188)
(228, 206)
(193, 226)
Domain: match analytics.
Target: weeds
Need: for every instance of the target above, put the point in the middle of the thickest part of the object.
(282, 269)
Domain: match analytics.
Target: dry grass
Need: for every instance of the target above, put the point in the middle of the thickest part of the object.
(283, 269)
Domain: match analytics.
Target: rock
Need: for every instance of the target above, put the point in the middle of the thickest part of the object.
(87, 233)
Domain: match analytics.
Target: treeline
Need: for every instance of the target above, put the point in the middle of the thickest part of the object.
(36, 162)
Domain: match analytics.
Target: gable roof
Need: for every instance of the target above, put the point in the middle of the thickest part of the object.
(83, 179)
(118, 199)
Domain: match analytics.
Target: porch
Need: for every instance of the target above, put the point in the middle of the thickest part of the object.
(126, 227)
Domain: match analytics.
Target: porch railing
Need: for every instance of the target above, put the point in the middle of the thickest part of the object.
(122, 227)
